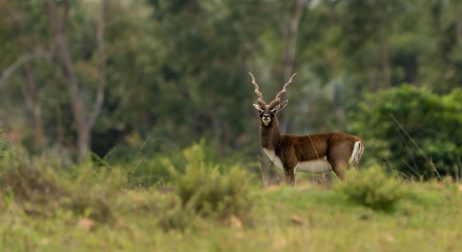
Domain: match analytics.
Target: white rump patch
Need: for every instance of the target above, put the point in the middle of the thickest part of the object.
(314, 166)
(273, 157)
(354, 158)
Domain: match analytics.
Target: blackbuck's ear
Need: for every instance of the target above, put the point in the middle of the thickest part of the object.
(282, 105)
(257, 107)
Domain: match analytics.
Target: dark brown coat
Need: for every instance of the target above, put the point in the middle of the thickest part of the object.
(337, 148)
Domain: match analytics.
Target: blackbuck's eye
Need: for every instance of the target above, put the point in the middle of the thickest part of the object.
(261, 111)
(273, 111)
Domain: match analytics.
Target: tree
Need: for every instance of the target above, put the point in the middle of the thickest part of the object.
(291, 46)
(24, 50)
(84, 120)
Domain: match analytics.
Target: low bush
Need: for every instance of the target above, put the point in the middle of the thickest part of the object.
(153, 169)
(372, 188)
(197, 188)
(42, 188)
(208, 190)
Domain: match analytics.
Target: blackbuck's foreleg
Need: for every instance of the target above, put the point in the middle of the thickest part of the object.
(289, 171)
(289, 175)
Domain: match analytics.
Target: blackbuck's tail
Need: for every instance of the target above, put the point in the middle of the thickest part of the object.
(356, 154)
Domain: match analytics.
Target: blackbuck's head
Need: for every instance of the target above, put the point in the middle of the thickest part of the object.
(269, 111)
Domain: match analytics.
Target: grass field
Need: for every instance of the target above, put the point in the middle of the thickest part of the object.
(218, 206)
(304, 218)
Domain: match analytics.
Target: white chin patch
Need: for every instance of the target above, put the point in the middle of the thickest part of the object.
(266, 122)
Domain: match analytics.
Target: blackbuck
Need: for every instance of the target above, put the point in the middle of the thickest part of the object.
(310, 153)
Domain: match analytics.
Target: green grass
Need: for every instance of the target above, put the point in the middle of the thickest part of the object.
(283, 219)
(209, 206)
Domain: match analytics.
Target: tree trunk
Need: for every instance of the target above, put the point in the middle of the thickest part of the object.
(84, 143)
(59, 126)
(84, 120)
(459, 28)
(65, 62)
(32, 102)
(102, 64)
(290, 50)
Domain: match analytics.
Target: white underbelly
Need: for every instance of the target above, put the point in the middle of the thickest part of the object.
(314, 166)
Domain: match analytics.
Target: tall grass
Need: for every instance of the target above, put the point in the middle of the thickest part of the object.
(42, 187)
(207, 205)
(196, 188)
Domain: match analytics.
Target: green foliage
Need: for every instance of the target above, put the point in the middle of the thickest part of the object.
(425, 141)
(372, 188)
(3, 146)
(285, 219)
(209, 190)
(176, 72)
(205, 205)
(197, 188)
(44, 189)
(149, 167)
(155, 88)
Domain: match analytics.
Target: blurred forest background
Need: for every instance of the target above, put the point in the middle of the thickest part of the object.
(132, 80)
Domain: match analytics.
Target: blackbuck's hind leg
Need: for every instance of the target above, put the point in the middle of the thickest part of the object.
(338, 159)
(289, 174)
(339, 167)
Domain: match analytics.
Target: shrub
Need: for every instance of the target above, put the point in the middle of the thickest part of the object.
(145, 172)
(42, 187)
(372, 188)
(210, 190)
(426, 142)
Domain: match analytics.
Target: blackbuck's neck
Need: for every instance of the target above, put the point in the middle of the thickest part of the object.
(270, 136)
